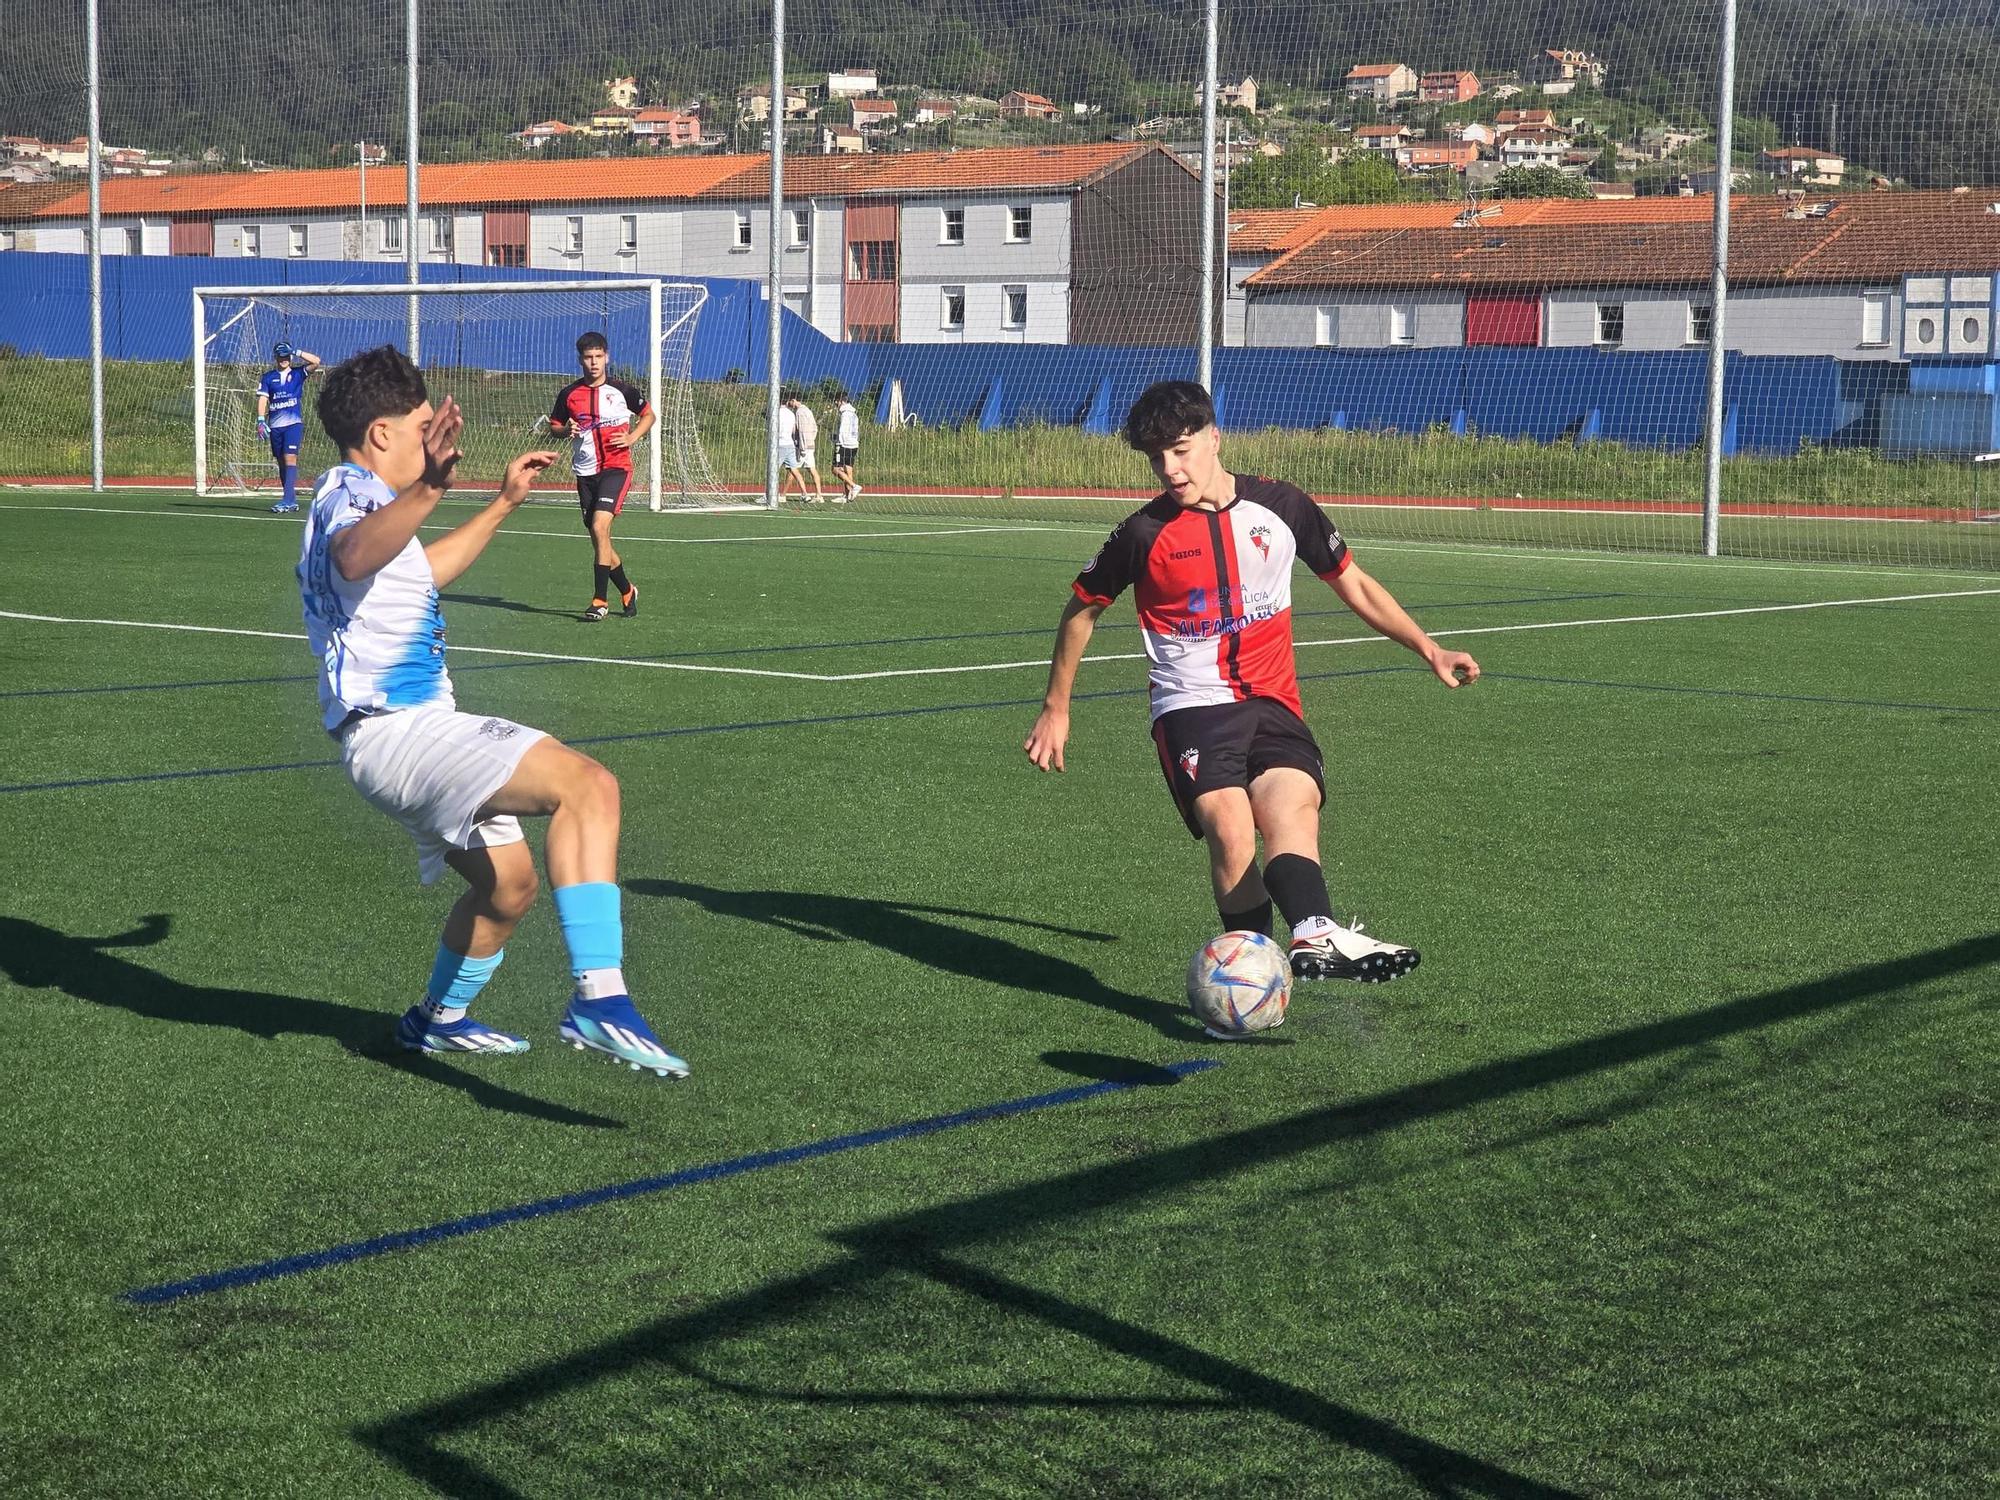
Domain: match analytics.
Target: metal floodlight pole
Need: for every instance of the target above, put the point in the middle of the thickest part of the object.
(412, 274)
(1207, 337)
(653, 333)
(1718, 357)
(96, 147)
(775, 291)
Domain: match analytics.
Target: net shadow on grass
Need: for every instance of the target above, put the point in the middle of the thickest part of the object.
(935, 936)
(921, 1243)
(36, 957)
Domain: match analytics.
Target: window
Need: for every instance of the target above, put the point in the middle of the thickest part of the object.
(1874, 317)
(870, 333)
(506, 255)
(1402, 323)
(296, 242)
(795, 304)
(951, 228)
(253, 242)
(1326, 326)
(1701, 322)
(952, 318)
(573, 235)
(1020, 223)
(798, 227)
(742, 240)
(628, 232)
(441, 234)
(1014, 307)
(871, 260)
(1610, 322)
(392, 236)
(117, 240)
(6, 239)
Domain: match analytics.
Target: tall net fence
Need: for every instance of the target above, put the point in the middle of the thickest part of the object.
(1461, 270)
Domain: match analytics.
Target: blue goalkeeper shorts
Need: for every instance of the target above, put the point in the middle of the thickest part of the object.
(285, 441)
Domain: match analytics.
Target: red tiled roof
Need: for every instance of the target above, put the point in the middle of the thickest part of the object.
(1258, 231)
(25, 200)
(1649, 241)
(1799, 153)
(1048, 168)
(1372, 70)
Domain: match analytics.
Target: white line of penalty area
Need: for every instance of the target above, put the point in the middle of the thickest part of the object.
(1039, 661)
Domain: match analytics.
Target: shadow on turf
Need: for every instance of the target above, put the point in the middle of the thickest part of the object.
(494, 601)
(935, 936)
(37, 957)
(921, 1243)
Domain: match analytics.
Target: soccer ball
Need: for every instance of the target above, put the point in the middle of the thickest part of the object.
(1240, 983)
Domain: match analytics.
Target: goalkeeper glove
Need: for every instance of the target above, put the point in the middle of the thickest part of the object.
(263, 428)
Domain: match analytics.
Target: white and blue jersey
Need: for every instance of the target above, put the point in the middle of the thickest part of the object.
(284, 394)
(379, 639)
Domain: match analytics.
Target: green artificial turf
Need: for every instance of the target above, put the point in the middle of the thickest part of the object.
(1670, 1173)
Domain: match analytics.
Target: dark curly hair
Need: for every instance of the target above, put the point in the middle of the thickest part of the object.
(1166, 412)
(367, 386)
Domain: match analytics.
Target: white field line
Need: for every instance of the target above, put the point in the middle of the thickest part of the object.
(1039, 661)
(1087, 528)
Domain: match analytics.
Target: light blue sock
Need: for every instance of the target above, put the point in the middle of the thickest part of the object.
(456, 981)
(595, 932)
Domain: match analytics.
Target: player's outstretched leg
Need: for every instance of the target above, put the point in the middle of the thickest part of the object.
(1286, 800)
(581, 799)
(501, 888)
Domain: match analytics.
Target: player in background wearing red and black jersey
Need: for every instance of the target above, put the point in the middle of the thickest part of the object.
(604, 419)
(1210, 563)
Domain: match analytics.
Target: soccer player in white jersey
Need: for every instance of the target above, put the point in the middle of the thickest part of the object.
(1210, 560)
(457, 782)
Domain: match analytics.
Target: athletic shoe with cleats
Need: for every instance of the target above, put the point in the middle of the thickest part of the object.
(285, 508)
(1347, 953)
(631, 603)
(598, 610)
(614, 1027)
(417, 1032)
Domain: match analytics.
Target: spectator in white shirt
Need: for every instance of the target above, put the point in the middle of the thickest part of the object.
(846, 445)
(806, 427)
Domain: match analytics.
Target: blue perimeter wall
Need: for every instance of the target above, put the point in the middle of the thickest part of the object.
(1549, 395)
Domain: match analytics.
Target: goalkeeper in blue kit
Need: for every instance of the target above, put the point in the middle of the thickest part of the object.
(281, 419)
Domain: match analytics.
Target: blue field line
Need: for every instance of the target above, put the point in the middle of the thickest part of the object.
(1702, 692)
(410, 1239)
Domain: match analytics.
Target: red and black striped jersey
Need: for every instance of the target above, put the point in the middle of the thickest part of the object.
(1214, 590)
(593, 413)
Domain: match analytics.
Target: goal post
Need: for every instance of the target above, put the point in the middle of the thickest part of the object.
(501, 348)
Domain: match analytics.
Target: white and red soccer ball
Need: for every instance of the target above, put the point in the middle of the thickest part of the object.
(1240, 984)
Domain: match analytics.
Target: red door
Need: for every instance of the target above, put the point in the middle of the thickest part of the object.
(1504, 319)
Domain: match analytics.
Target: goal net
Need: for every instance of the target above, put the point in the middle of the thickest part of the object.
(502, 350)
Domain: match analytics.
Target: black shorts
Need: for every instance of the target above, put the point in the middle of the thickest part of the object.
(843, 458)
(1220, 745)
(604, 490)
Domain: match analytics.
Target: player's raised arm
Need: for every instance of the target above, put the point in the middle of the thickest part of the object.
(371, 543)
(1051, 730)
(1379, 611)
(454, 552)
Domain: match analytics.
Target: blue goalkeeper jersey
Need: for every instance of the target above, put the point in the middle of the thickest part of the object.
(285, 390)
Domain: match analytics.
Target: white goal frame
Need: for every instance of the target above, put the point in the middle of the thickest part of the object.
(652, 286)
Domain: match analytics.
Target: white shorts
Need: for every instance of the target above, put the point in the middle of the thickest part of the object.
(432, 769)
(806, 459)
(788, 456)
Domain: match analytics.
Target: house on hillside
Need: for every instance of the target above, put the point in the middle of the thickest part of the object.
(675, 128)
(1803, 164)
(542, 132)
(753, 102)
(933, 111)
(1438, 156)
(1387, 139)
(1241, 95)
(841, 140)
(1384, 83)
(623, 92)
(1472, 132)
(850, 83)
(874, 116)
(1535, 148)
(1018, 104)
(1453, 87)
(612, 119)
(1558, 70)
(1529, 119)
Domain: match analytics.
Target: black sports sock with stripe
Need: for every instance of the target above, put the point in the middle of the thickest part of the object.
(1298, 885)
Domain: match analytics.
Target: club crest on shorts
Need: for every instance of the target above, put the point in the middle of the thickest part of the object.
(1190, 762)
(499, 729)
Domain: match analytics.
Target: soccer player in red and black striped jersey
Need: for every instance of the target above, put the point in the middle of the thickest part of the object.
(1210, 563)
(603, 418)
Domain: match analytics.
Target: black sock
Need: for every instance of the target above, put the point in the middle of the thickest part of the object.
(1298, 885)
(619, 581)
(1254, 919)
(603, 577)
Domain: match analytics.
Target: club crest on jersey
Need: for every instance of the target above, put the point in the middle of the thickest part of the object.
(1190, 762)
(1197, 600)
(499, 729)
(1260, 538)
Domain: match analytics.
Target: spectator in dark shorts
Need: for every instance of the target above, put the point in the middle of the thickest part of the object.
(846, 446)
(604, 419)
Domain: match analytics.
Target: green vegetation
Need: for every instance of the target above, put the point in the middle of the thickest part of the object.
(1302, 174)
(1539, 182)
(1669, 1174)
